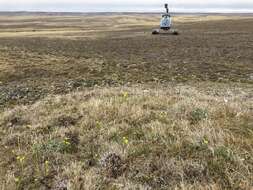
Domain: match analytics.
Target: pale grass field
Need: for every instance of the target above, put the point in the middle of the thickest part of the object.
(92, 26)
(171, 137)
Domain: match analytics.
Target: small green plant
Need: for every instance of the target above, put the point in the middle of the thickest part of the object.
(51, 146)
(224, 153)
(222, 164)
(197, 115)
(99, 125)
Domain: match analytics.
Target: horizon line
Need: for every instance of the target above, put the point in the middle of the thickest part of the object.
(150, 12)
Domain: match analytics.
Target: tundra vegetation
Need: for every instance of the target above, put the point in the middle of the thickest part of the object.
(95, 102)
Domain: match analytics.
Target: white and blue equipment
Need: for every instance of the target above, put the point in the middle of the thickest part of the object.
(165, 24)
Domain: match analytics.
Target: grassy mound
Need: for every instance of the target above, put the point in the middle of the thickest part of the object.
(130, 138)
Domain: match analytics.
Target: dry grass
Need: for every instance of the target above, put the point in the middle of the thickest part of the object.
(55, 55)
(97, 102)
(179, 137)
(91, 26)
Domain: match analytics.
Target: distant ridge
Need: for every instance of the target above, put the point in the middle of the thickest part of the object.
(13, 13)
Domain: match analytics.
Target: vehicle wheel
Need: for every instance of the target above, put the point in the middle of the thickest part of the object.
(155, 31)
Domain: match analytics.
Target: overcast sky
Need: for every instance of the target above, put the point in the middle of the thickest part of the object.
(127, 5)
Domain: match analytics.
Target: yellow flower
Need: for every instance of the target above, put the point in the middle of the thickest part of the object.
(16, 179)
(163, 115)
(205, 141)
(46, 162)
(20, 158)
(66, 142)
(125, 94)
(125, 140)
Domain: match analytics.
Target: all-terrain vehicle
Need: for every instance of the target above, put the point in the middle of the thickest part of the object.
(166, 24)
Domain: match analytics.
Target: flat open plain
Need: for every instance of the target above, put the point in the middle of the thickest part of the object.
(42, 52)
(94, 101)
